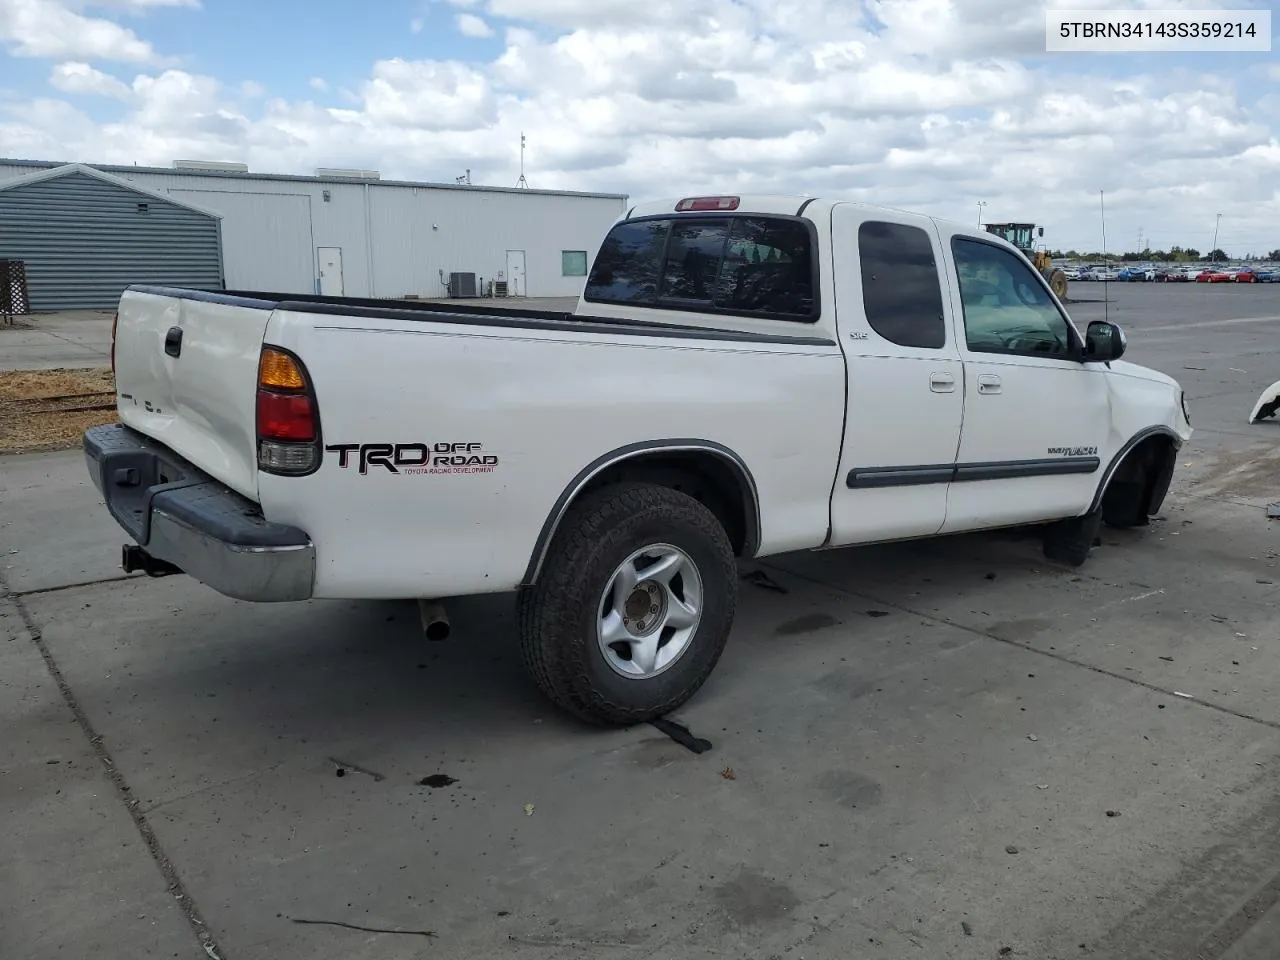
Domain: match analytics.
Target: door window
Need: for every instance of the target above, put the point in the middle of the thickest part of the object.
(901, 292)
(1006, 308)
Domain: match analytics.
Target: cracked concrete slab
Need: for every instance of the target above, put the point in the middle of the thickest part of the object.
(76, 879)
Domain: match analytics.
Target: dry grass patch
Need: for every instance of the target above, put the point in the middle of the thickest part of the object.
(51, 409)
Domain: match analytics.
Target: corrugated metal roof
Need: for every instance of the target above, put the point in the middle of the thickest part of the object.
(65, 169)
(186, 172)
(85, 237)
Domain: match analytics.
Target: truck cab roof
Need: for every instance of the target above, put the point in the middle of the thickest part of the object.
(771, 204)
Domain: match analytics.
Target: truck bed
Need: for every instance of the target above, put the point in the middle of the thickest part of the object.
(482, 313)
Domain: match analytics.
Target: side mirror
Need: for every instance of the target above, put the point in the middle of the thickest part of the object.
(1103, 342)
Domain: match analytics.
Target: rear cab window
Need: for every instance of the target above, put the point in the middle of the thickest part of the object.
(761, 266)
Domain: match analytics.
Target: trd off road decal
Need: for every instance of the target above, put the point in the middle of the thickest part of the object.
(1073, 451)
(415, 458)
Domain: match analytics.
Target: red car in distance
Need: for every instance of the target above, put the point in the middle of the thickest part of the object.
(1215, 276)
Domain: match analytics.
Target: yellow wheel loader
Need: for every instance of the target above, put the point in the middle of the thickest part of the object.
(1022, 236)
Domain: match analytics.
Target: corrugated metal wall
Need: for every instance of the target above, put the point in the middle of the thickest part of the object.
(395, 238)
(266, 238)
(84, 240)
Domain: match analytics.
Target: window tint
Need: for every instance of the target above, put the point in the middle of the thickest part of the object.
(737, 265)
(901, 291)
(1006, 309)
(768, 268)
(573, 263)
(693, 259)
(626, 268)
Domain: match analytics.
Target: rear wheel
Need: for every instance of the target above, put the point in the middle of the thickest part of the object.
(633, 607)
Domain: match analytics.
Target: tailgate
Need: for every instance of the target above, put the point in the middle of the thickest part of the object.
(186, 375)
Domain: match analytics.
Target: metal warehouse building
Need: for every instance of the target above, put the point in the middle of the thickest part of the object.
(88, 231)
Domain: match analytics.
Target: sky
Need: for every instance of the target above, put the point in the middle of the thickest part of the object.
(934, 106)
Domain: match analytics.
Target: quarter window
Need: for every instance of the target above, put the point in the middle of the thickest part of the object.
(1006, 308)
(901, 292)
(744, 266)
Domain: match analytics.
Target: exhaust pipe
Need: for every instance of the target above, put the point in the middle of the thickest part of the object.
(134, 558)
(435, 620)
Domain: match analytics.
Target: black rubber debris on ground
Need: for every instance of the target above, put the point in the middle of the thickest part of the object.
(437, 780)
(681, 735)
(877, 613)
(968, 930)
(364, 929)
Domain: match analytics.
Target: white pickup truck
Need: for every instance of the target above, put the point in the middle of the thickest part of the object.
(743, 377)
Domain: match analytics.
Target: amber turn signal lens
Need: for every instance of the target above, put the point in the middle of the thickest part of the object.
(279, 370)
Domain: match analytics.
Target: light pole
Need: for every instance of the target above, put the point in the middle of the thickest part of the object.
(981, 204)
(1213, 253)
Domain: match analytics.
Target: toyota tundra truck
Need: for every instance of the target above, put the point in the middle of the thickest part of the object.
(741, 377)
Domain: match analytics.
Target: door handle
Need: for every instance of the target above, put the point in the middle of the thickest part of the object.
(988, 383)
(173, 341)
(942, 382)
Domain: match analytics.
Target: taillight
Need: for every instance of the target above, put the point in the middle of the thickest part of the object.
(288, 419)
(115, 320)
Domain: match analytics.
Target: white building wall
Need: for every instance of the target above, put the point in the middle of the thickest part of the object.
(396, 240)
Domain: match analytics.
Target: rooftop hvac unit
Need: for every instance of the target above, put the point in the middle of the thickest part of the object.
(335, 173)
(211, 165)
(462, 285)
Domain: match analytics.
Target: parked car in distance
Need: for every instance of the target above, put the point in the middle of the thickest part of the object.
(1215, 276)
(1267, 275)
(1106, 274)
(1246, 275)
(729, 386)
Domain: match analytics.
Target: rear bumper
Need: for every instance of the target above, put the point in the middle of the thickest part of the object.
(181, 515)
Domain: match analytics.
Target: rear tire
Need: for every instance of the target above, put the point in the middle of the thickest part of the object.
(1069, 541)
(613, 636)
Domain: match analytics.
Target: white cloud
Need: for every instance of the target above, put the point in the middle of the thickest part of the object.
(925, 104)
(48, 28)
(80, 78)
(469, 25)
(252, 89)
(416, 25)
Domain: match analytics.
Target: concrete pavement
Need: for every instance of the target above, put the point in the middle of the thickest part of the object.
(74, 338)
(941, 749)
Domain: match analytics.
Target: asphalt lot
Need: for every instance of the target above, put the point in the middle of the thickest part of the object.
(935, 750)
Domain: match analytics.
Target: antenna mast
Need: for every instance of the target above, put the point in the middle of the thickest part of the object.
(522, 182)
(1106, 296)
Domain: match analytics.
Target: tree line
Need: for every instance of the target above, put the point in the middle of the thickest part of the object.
(1172, 255)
